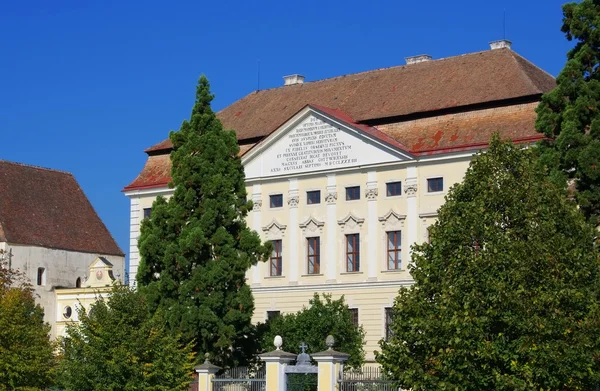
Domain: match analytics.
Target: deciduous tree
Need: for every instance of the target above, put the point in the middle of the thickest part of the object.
(120, 345)
(26, 352)
(506, 294)
(313, 324)
(196, 248)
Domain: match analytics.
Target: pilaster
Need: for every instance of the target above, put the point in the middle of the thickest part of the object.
(372, 254)
(412, 215)
(256, 225)
(331, 258)
(292, 254)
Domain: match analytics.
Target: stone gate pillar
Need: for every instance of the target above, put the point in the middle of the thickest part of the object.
(330, 366)
(275, 363)
(206, 373)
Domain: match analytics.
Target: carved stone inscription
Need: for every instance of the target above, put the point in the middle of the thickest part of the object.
(313, 145)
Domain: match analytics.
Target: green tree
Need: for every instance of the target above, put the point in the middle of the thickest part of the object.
(26, 352)
(569, 116)
(120, 345)
(312, 325)
(196, 248)
(506, 295)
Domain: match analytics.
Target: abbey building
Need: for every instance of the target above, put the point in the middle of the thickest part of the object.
(346, 173)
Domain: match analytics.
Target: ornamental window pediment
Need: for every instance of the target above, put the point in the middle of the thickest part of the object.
(392, 220)
(351, 223)
(274, 230)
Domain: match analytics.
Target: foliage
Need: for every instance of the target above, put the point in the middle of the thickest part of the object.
(26, 352)
(569, 116)
(120, 345)
(196, 248)
(506, 295)
(312, 325)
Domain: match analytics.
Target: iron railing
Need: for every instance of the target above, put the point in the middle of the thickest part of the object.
(240, 379)
(366, 379)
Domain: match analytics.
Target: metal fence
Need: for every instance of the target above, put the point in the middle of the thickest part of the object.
(366, 379)
(240, 379)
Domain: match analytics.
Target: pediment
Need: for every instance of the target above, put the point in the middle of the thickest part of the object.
(315, 140)
(274, 229)
(392, 219)
(312, 224)
(351, 222)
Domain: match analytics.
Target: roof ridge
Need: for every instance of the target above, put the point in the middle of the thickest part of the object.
(35, 167)
(371, 71)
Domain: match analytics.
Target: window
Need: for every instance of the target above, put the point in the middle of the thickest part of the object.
(41, 276)
(354, 314)
(313, 197)
(352, 253)
(353, 193)
(394, 252)
(276, 200)
(388, 323)
(272, 314)
(435, 185)
(314, 255)
(393, 189)
(67, 312)
(78, 282)
(147, 213)
(276, 258)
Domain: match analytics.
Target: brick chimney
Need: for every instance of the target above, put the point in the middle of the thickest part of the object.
(500, 44)
(417, 59)
(293, 79)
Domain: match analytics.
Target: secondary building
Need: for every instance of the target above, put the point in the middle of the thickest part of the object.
(346, 173)
(50, 231)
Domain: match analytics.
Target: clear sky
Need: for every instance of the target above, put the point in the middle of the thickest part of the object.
(86, 86)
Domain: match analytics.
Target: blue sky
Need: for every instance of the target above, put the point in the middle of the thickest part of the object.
(86, 86)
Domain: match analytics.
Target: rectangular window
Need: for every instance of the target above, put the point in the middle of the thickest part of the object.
(353, 253)
(354, 314)
(272, 315)
(41, 276)
(314, 255)
(313, 197)
(394, 252)
(393, 189)
(353, 193)
(435, 185)
(147, 213)
(388, 323)
(276, 258)
(276, 200)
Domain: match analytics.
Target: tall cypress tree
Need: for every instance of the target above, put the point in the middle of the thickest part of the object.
(570, 114)
(196, 248)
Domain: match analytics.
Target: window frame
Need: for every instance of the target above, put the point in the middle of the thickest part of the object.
(355, 253)
(437, 178)
(272, 314)
(273, 197)
(278, 258)
(387, 317)
(352, 191)
(396, 251)
(354, 313)
(308, 197)
(316, 256)
(146, 213)
(393, 183)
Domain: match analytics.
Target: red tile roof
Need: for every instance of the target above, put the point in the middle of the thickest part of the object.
(470, 79)
(47, 208)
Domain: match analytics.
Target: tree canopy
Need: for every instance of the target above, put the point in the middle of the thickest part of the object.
(196, 248)
(120, 345)
(569, 116)
(312, 325)
(506, 294)
(26, 352)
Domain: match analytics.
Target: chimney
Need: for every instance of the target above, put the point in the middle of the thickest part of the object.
(417, 59)
(293, 79)
(500, 44)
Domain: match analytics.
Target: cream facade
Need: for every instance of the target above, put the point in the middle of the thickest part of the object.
(350, 158)
(347, 173)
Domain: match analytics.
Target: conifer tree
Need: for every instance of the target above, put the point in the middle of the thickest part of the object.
(569, 116)
(196, 248)
(506, 295)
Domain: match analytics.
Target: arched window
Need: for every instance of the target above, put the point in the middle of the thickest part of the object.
(78, 282)
(41, 276)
